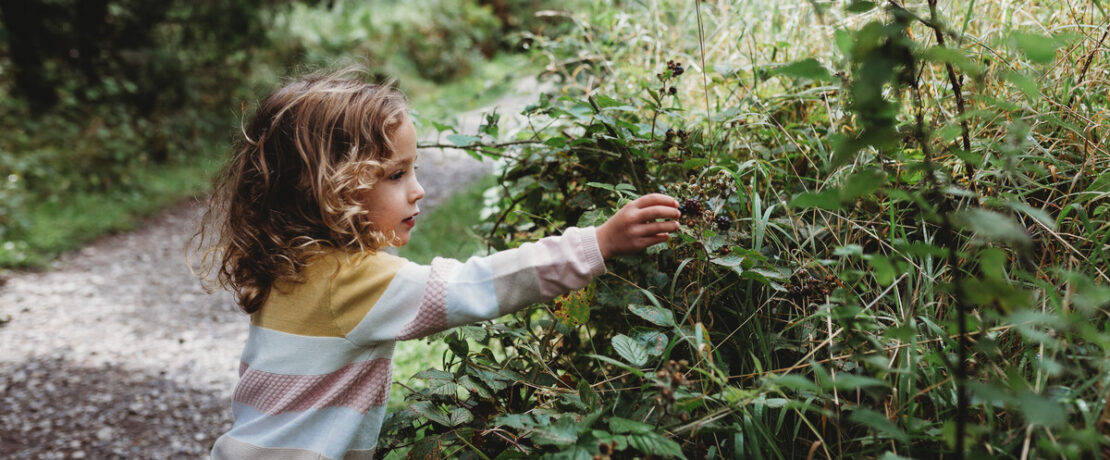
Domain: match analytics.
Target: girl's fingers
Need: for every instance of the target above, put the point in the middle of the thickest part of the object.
(658, 212)
(656, 228)
(656, 199)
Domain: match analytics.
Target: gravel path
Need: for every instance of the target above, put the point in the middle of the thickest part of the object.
(117, 351)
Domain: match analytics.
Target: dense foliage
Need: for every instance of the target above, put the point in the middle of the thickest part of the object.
(97, 94)
(894, 233)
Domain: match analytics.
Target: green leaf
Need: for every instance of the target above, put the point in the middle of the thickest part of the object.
(882, 269)
(1038, 48)
(827, 199)
(1024, 83)
(459, 416)
(631, 350)
(806, 68)
(859, 6)
(429, 411)
(653, 314)
(462, 140)
(654, 342)
(623, 426)
(991, 226)
(655, 444)
(430, 448)
(878, 422)
(563, 432)
(955, 57)
(1039, 410)
(846, 381)
(861, 183)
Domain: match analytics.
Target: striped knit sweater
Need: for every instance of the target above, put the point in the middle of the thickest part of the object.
(316, 369)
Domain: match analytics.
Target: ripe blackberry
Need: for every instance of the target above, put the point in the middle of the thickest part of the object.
(683, 210)
(694, 206)
(672, 91)
(723, 223)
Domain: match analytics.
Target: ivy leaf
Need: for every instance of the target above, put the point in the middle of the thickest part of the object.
(631, 350)
(655, 444)
(653, 314)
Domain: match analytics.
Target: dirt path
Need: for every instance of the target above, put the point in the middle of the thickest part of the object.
(117, 351)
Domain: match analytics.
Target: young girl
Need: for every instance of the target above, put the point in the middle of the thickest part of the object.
(323, 178)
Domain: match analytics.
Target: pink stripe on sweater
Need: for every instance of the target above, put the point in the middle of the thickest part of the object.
(431, 317)
(358, 386)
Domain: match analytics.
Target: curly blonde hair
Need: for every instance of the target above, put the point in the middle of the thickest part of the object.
(292, 190)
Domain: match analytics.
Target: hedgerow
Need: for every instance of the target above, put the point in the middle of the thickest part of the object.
(892, 243)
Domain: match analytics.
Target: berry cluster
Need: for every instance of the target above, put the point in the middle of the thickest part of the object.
(695, 212)
(670, 379)
(674, 69)
(805, 287)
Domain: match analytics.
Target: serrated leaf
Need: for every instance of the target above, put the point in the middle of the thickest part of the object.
(429, 411)
(655, 444)
(562, 432)
(459, 416)
(474, 386)
(631, 350)
(434, 374)
(429, 448)
(654, 315)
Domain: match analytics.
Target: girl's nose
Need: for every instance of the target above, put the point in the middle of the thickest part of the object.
(417, 191)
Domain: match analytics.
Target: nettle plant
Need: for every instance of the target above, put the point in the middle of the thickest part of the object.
(893, 260)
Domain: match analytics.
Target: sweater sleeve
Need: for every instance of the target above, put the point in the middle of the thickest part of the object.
(421, 300)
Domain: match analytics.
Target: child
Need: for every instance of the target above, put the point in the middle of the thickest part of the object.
(323, 178)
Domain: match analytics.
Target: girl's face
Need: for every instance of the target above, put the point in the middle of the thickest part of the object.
(392, 200)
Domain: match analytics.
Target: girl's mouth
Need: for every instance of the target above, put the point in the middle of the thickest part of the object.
(410, 221)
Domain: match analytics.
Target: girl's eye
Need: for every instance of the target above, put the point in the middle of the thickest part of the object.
(397, 175)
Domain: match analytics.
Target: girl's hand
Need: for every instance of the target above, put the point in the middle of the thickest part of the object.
(636, 227)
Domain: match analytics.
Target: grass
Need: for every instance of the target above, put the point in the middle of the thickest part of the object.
(59, 225)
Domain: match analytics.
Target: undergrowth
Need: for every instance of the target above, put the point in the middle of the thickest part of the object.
(893, 240)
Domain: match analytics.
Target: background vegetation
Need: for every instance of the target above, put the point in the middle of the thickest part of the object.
(893, 242)
(895, 223)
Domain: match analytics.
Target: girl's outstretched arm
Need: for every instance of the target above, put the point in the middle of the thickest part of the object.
(636, 225)
(384, 298)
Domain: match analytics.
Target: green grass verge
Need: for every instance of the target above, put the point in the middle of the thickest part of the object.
(63, 224)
